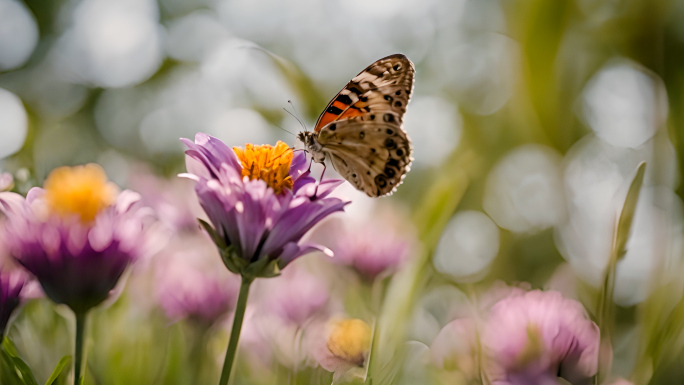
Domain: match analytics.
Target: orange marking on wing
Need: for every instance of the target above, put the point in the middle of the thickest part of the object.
(325, 119)
(340, 105)
(347, 112)
(350, 113)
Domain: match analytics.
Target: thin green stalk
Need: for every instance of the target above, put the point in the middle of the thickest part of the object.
(606, 309)
(605, 313)
(78, 356)
(235, 331)
(376, 304)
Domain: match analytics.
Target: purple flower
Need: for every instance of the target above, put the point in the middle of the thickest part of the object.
(76, 237)
(537, 336)
(261, 201)
(11, 284)
(190, 285)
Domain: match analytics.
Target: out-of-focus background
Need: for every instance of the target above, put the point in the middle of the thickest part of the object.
(528, 119)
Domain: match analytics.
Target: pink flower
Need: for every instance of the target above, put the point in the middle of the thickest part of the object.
(6, 181)
(535, 337)
(373, 248)
(287, 306)
(191, 281)
(295, 296)
(173, 200)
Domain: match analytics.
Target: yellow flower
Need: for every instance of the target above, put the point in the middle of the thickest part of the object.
(350, 340)
(81, 190)
(268, 163)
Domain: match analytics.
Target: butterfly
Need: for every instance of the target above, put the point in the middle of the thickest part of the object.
(361, 130)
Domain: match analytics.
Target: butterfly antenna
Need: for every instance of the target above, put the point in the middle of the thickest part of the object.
(285, 130)
(296, 113)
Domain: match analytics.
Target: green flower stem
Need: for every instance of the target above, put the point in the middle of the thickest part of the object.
(78, 356)
(235, 331)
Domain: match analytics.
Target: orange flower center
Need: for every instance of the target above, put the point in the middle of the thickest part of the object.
(81, 190)
(268, 163)
(350, 340)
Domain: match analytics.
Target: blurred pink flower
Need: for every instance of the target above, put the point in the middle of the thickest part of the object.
(287, 306)
(76, 236)
(373, 248)
(256, 348)
(535, 337)
(191, 282)
(173, 200)
(295, 296)
(6, 181)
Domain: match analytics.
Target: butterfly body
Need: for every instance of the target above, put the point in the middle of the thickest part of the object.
(361, 133)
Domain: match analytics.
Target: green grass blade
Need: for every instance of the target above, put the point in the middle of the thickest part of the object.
(58, 370)
(627, 215)
(25, 371)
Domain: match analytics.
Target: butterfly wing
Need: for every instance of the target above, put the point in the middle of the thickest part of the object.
(385, 86)
(372, 152)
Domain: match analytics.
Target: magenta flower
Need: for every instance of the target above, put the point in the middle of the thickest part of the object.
(535, 337)
(260, 200)
(11, 284)
(77, 257)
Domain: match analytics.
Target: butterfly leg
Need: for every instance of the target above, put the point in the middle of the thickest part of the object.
(323, 172)
(320, 180)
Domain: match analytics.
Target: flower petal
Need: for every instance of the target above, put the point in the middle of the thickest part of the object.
(295, 222)
(292, 251)
(13, 203)
(299, 164)
(212, 152)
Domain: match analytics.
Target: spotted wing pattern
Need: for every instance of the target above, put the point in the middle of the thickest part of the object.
(371, 151)
(385, 86)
